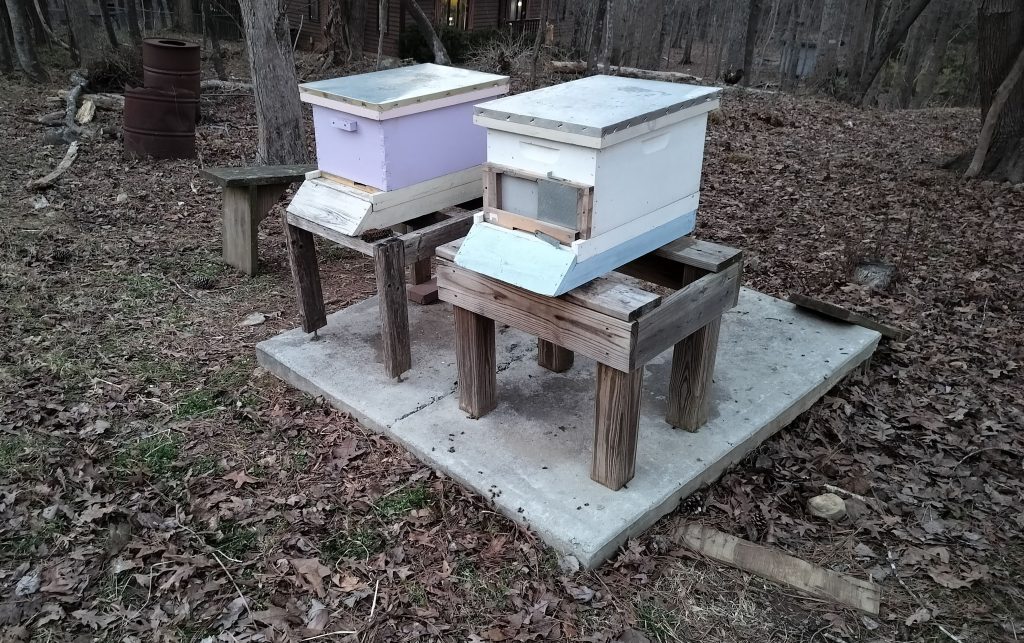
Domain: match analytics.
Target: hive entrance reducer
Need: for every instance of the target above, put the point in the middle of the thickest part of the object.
(586, 176)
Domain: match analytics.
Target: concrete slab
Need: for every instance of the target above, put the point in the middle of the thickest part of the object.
(531, 455)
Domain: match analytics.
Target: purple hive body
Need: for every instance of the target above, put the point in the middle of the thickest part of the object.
(398, 152)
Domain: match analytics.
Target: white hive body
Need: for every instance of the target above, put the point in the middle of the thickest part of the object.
(586, 176)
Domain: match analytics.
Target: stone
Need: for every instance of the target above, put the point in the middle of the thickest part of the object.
(122, 198)
(531, 455)
(253, 319)
(828, 506)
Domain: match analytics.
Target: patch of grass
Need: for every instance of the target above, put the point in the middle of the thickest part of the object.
(140, 287)
(402, 502)
(361, 543)
(658, 622)
(206, 465)
(22, 454)
(11, 451)
(236, 540)
(196, 404)
(416, 593)
(156, 454)
(157, 370)
(233, 376)
(20, 544)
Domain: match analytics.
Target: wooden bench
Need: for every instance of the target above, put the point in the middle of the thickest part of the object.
(249, 193)
(619, 325)
(413, 244)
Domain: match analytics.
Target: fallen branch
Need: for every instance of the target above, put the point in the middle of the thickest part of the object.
(225, 85)
(782, 568)
(568, 67)
(109, 102)
(871, 502)
(50, 118)
(51, 178)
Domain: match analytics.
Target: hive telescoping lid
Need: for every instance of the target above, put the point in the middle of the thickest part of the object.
(404, 90)
(591, 110)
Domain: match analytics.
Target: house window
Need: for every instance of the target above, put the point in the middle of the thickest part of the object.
(313, 7)
(516, 9)
(453, 13)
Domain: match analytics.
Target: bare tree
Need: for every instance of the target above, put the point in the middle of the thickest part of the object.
(750, 39)
(427, 29)
(1000, 153)
(609, 33)
(210, 27)
(23, 46)
(281, 139)
(133, 21)
(538, 39)
(595, 37)
(108, 24)
(881, 52)
(87, 46)
(950, 14)
(186, 19)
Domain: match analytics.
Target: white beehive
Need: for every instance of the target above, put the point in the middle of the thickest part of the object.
(585, 176)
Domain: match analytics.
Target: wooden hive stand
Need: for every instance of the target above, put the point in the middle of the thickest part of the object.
(249, 193)
(413, 245)
(620, 325)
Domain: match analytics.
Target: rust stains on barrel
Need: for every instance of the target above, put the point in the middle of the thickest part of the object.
(160, 123)
(168, 63)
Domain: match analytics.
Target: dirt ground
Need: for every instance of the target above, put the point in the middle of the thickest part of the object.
(155, 484)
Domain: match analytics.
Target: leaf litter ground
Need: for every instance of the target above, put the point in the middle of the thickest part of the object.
(158, 485)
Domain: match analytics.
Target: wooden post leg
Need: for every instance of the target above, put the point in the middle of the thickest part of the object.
(389, 265)
(239, 240)
(553, 357)
(420, 271)
(474, 357)
(689, 387)
(306, 276)
(616, 425)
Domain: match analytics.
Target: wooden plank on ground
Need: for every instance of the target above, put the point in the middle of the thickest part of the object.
(782, 568)
(259, 175)
(601, 337)
(685, 311)
(842, 314)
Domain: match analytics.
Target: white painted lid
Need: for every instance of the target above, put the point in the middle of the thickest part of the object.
(381, 91)
(596, 106)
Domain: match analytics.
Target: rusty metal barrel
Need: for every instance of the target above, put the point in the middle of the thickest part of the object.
(168, 63)
(160, 123)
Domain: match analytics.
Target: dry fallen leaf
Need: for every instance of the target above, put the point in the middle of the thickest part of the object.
(240, 478)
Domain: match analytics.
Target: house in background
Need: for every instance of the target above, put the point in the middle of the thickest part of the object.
(307, 18)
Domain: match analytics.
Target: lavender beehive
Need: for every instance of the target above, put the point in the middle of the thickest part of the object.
(398, 127)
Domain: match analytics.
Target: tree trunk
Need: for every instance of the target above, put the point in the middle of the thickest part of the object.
(1001, 56)
(133, 21)
(753, 23)
(609, 33)
(23, 46)
(6, 48)
(427, 29)
(281, 139)
(865, 27)
(827, 57)
(950, 16)
(897, 32)
(791, 48)
(83, 33)
(596, 37)
(919, 41)
(691, 31)
(108, 24)
(186, 18)
(739, 13)
(211, 30)
(545, 6)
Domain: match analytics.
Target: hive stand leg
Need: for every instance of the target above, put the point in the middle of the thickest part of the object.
(389, 265)
(239, 246)
(553, 357)
(474, 356)
(306, 276)
(693, 369)
(615, 426)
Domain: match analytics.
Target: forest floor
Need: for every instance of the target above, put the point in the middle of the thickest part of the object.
(155, 484)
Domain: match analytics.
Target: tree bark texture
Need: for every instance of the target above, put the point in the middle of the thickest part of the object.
(596, 37)
(23, 45)
(739, 14)
(609, 32)
(281, 140)
(428, 31)
(186, 19)
(750, 40)
(1000, 43)
(211, 31)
